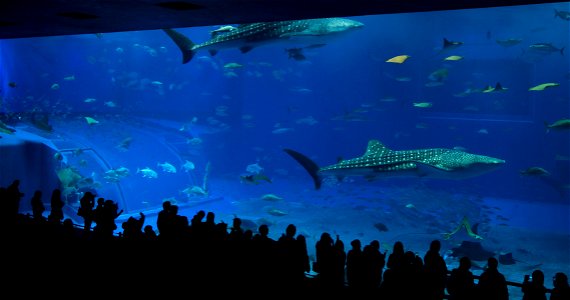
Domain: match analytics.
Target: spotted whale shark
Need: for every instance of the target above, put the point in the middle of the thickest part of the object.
(246, 37)
(380, 161)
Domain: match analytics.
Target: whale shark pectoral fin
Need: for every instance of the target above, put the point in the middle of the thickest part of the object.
(425, 170)
(245, 49)
(310, 166)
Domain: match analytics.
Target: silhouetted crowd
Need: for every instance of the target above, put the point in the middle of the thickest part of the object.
(52, 254)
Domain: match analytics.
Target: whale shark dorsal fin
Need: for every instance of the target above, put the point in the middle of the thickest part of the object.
(375, 148)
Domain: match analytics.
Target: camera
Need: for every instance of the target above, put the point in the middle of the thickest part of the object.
(527, 278)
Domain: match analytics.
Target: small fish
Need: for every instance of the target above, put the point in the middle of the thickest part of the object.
(125, 143)
(449, 45)
(423, 104)
(433, 84)
(543, 86)
(55, 86)
(271, 197)
(295, 53)
(509, 42)
(156, 83)
(254, 168)
(222, 29)
(58, 156)
(167, 167)
(281, 130)
(233, 65)
(12, 84)
(194, 191)
(534, 171)
(254, 178)
(89, 100)
(398, 59)
(91, 121)
(194, 141)
(438, 75)
(110, 104)
(545, 48)
(498, 88)
(188, 166)
(277, 212)
(453, 58)
(564, 15)
(69, 78)
(562, 124)
(147, 172)
(381, 227)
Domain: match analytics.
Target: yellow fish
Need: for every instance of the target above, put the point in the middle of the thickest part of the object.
(91, 121)
(423, 104)
(398, 59)
(453, 58)
(543, 86)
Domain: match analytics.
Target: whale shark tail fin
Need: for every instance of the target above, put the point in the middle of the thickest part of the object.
(309, 165)
(184, 44)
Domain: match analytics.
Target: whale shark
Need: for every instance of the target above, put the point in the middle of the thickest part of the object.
(246, 37)
(380, 161)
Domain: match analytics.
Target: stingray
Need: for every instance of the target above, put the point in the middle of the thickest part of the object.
(507, 259)
(473, 250)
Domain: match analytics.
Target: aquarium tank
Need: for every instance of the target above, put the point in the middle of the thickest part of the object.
(449, 125)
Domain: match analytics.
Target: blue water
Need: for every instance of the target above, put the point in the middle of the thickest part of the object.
(327, 106)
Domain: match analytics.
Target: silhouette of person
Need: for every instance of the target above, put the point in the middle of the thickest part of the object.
(412, 275)
(236, 232)
(355, 265)
(105, 218)
(435, 272)
(374, 262)
(325, 259)
(264, 253)
(304, 261)
(289, 251)
(56, 209)
(339, 263)
(179, 224)
(149, 233)
(164, 221)
(492, 284)
(86, 206)
(133, 228)
(396, 258)
(461, 281)
(38, 207)
(394, 281)
(533, 289)
(14, 196)
(561, 290)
